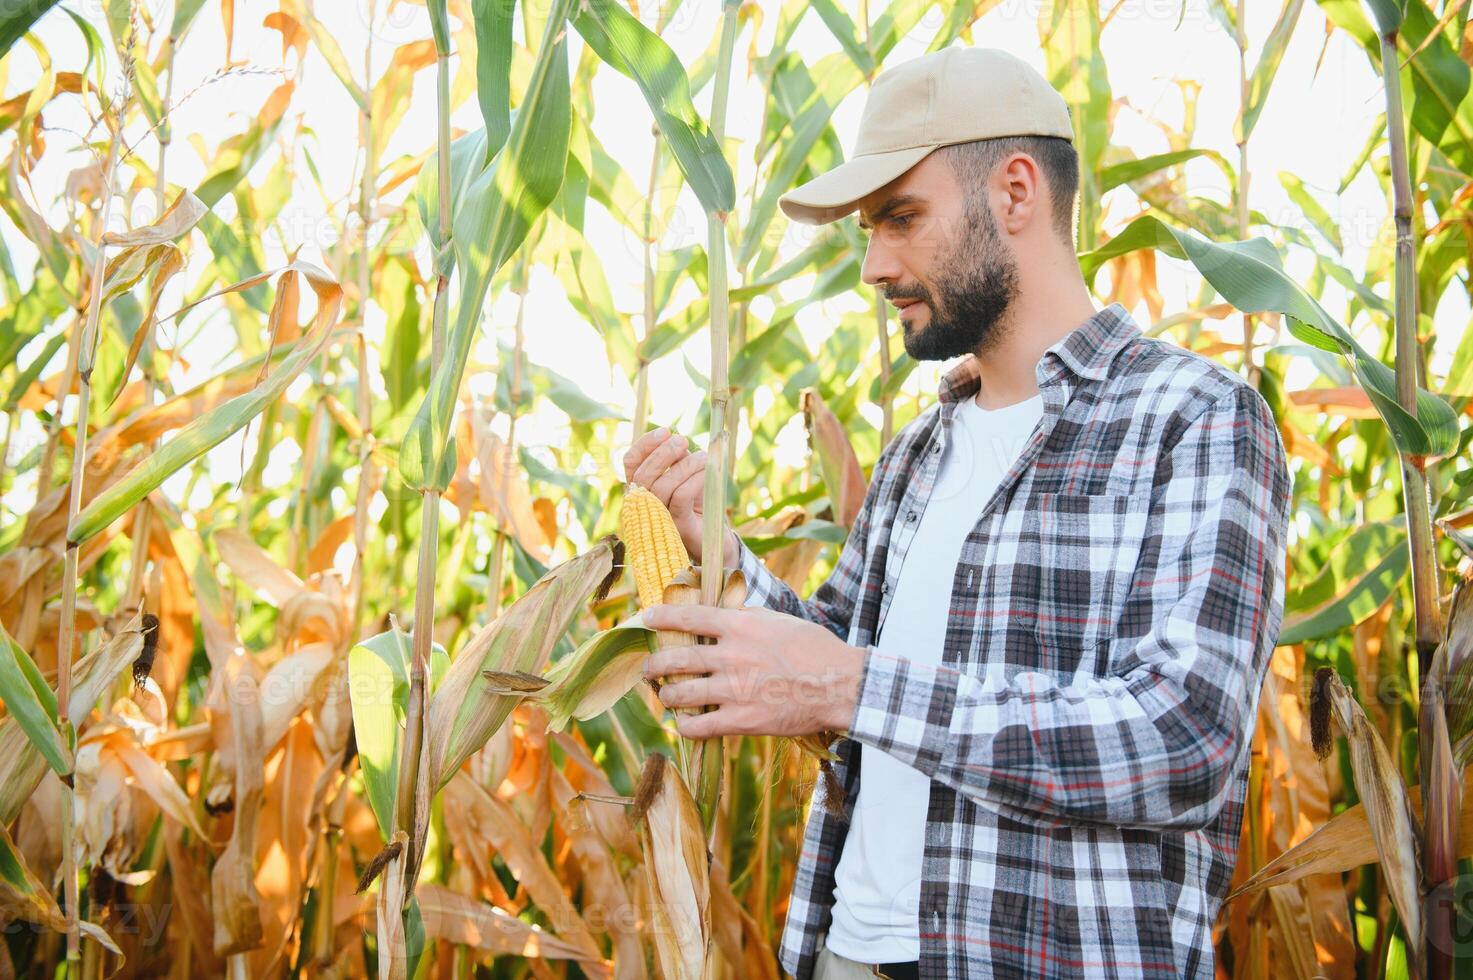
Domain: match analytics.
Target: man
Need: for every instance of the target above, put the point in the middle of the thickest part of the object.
(1046, 633)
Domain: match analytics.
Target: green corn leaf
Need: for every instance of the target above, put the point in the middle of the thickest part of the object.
(93, 40)
(20, 760)
(842, 27)
(1440, 107)
(33, 370)
(1250, 276)
(17, 18)
(836, 77)
(25, 895)
(1388, 14)
(1359, 576)
(378, 685)
(184, 13)
(493, 69)
(634, 50)
(1123, 173)
(896, 21)
(671, 333)
(1313, 210)
(1269, 59)
(31, 703)
(582, 275)
(237, 155)
(440, 24)
(468, 155)
(900, 369)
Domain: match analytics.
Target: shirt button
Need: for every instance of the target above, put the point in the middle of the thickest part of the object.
(910, 518)
(935, 448)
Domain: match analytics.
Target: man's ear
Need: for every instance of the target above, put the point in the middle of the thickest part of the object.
(1021, 192)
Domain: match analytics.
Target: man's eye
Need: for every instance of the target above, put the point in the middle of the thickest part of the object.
(901, 220)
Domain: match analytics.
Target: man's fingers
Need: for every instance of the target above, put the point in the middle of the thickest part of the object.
(642, 447)
(676, 476)
(657, 462)
(690, 492)
(700, 620)
(679, 660)
(694, 692)
(710, 724)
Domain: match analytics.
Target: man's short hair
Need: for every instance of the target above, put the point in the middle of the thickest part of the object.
(974, 162)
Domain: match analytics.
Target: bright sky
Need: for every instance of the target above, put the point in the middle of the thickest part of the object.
(1313, 126)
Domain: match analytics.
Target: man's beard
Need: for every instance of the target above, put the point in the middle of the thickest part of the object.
(975, 287)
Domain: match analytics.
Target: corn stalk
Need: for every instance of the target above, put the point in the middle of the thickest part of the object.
(1439, 778)
(86, 348)
(498, 208)
(143, 518)
(1240, 35)
(707, 756)
(642, 378)
(424, 599)
(412, 796)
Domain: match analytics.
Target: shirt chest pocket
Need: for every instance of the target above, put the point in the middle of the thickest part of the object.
(1077, 554)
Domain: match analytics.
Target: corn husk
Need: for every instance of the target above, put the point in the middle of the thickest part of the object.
(1379, 782)
(468, 707)
(588, 681)
(676, 870)
(685, 590)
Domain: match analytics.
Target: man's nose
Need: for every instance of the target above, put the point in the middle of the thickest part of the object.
(880, 262)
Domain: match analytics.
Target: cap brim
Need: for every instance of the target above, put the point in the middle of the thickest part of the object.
(830, 196)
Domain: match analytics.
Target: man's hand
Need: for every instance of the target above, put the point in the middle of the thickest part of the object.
(664, 464)
(770, 673)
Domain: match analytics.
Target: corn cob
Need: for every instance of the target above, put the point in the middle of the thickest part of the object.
(654, 552)
(652, 544)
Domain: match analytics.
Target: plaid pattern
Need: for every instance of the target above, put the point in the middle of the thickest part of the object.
(1112, 614)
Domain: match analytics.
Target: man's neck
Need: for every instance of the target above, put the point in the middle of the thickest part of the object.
(1037, 319)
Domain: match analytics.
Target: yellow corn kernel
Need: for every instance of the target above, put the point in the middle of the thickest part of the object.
(652, 545)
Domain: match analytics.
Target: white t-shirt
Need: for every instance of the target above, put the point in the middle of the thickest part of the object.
(877, 886)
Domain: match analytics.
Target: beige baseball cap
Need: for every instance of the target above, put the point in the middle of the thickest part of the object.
(955, 95)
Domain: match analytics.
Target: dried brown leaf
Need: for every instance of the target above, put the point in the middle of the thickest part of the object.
(235, 901)
(256, 568)
(467, 922)
(842, 474)
(177, 219)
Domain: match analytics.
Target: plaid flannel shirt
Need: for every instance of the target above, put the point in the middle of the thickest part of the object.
(1087, 734)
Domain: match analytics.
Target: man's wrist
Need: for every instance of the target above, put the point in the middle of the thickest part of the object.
(850, 680)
